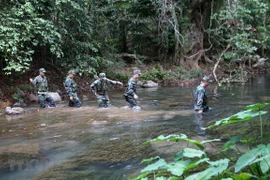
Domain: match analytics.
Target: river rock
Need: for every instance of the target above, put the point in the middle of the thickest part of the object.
(13, 111)
(19, 156)
(149, 84)
(5, 104)
(32, 97)
(20, 92)
(55, 95)
(19, 104)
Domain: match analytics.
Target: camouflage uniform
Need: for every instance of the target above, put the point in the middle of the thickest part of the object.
(130, 91)
(41, 84)
(99, 88)
(200, 99)
(71, 88)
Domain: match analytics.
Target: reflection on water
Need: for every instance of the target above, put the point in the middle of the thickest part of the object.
(91, 143)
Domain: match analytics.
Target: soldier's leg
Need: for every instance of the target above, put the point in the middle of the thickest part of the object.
(70, 103)
(50, 101)
(100, 101)
(76, 100)
(106, 101)
(41, 99)
(132, 102)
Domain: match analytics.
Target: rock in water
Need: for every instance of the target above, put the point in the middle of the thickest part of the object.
(55, 95)
(15, 110)
(149, 84)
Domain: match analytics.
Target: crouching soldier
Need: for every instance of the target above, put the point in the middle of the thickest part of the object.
(71, 88)
(99, 89)
(41, 84)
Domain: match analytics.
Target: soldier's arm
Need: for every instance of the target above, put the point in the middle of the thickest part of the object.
(200, 98)
(131, 87)
(35, 81)
(47, 87)
(92, 87)
(113, 82)
(68, 87)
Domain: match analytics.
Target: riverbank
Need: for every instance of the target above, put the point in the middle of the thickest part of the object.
(17, 87)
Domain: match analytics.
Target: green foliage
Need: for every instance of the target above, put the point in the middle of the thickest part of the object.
(21, 31)
(85, 34)
(194, 163)
(120, 76)
(17, 97)
(175, 74)
(156, 74)
(241, 26)
(180, 73)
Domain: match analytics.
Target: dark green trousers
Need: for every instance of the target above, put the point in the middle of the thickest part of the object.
(45, 100)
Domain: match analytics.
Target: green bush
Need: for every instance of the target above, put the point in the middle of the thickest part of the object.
(155, 74)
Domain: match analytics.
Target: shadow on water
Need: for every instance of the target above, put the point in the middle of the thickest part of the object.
(91, 143)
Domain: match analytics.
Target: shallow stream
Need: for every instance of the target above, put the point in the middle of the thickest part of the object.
(97, 144)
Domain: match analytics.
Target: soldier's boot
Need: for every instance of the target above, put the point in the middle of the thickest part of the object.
(41, 100)
(50, 102)
(77, 102)
(71, 104)
(106, 103)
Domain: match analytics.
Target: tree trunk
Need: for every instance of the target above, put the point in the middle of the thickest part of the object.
(198, 15)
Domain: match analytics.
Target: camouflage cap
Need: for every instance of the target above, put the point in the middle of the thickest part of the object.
(206, 79)
(137, 72)
(102, 75)
(42, 70)
(71, 72)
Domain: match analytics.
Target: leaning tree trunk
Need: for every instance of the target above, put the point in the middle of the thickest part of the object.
(198, 17)
(191, 59)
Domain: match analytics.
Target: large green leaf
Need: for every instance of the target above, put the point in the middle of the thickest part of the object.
(176, 137)
(155, 166)
(215, 169)
(238, 117)
(231, 143)
(178, 155)
(242, 176)
(196, 163)
(260, 155)
(264, 159)
(178, 167)
(191, 153)
(257, 107)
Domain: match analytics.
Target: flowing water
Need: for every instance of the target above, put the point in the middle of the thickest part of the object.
(97, 144)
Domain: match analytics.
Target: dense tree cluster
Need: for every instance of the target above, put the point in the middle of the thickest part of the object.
(89, 35)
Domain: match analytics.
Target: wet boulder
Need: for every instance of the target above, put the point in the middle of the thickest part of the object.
(21, 156)
(149, 84)
(14, 110)
(32, 97)
(19, 104)
(55, 95)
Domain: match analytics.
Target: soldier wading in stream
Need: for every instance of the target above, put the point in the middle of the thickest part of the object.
(99, 89)
(41, 84)
(71, 88)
